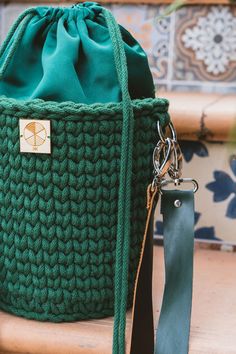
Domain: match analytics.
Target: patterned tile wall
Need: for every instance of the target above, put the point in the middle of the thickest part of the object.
(193, 49)
(213, 165)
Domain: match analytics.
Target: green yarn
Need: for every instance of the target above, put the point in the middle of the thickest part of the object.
(59, 212)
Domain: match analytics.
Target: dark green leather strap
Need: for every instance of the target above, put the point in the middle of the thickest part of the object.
(174, 323)
(177, 208)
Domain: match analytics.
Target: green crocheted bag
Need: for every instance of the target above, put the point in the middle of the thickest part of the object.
(72, 221)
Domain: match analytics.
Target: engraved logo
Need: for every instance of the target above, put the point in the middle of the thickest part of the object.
(35, 136)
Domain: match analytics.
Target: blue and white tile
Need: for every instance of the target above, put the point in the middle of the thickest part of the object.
(153, 33)
(205, 44)
(213, 165)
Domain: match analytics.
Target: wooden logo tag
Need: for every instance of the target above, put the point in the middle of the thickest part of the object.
(35, 136)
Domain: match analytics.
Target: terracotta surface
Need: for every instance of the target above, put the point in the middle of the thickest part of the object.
(213, 320)
(210, 117)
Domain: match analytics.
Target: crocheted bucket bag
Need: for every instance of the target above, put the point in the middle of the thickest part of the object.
(77, 129)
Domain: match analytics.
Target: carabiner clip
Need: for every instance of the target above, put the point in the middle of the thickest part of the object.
(162, 158)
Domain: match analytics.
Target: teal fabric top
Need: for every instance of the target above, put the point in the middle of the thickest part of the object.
(65, 54)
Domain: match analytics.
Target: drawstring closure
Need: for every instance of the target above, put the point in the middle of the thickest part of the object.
(22, 20)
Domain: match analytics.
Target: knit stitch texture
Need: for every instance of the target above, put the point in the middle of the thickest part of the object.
(59, 212)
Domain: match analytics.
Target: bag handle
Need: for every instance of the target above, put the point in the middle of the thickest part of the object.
(124, 198)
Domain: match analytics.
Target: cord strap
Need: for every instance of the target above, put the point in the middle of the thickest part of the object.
(124, 199)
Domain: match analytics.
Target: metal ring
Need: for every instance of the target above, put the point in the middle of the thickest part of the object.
(175, 169)
(172, 130)
(161, 158)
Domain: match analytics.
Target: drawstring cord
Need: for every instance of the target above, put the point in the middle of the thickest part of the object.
(124, 198)
(22, 20)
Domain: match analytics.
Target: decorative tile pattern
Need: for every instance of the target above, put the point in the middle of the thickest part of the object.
(205, 44)
(224, 186)
(152, 33)
(159, 56)
(139, 25)
(193, 49)
(189, 149)
(213, 165)
(211, 40)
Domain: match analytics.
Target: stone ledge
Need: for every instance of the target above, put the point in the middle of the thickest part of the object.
(210, 117)
(213, 318)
